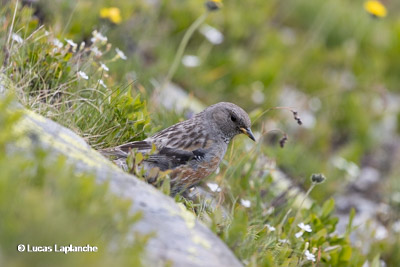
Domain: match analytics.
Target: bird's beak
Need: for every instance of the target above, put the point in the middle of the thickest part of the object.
(248, 132)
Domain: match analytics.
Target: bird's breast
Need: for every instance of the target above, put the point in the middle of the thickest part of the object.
(190, 175)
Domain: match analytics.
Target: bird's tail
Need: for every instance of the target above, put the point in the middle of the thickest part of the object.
(117, 156)
(122, 151)
(113, 152)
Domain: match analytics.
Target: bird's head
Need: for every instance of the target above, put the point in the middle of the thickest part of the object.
(229, 119)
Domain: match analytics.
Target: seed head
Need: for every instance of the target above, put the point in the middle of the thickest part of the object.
(318, 178)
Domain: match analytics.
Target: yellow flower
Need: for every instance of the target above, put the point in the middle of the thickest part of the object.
(111, 13)
(375, 8)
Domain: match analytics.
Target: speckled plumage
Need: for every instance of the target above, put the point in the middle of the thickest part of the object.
(192, 149)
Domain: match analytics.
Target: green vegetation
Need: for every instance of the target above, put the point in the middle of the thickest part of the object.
(329, 60)
(44, 202)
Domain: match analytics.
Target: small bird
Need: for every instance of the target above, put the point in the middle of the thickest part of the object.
(191, 149)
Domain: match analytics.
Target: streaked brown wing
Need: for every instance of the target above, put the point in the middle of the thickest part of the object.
(176, 145)
(188, 135)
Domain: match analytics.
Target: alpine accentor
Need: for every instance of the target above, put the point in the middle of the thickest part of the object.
(191, 149)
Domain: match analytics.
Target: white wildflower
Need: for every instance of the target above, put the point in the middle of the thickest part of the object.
(120, 54)
(17, 38)
(83, 75)
(71, 43)
(96, 51)
(381, 232)
(104, 67)
(101, 82)
(57, 43)
(299, 234)
(284, 241)
(213, 35)
(191, 61)
(270, 228)
(245, 203)
(214, 187)
(98, 37)
(309, 255)
(305, 227)
(350, 167)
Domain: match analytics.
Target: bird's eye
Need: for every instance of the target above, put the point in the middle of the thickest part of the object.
(233, 118)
